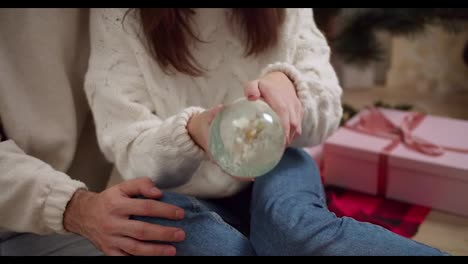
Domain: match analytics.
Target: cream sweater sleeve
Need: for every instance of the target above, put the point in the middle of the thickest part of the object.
(129, 131)
(306, 61)
(33, 196)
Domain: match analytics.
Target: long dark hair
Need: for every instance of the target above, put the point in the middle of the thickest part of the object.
(169, 34)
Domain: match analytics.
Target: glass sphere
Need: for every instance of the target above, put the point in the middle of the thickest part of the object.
(246, 138)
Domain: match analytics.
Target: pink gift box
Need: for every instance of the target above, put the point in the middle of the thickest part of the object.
(356, 160)
(316, 153)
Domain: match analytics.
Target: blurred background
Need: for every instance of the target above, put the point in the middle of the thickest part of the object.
(407, 59)
(403, 57)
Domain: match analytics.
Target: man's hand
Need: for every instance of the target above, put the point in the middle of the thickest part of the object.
(103, 218)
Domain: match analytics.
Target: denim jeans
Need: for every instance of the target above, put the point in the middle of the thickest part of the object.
(284, 213)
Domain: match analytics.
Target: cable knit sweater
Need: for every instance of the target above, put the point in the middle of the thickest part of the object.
(48, 147)
(141, 112)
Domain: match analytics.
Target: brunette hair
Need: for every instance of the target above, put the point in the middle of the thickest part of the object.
(169, 34)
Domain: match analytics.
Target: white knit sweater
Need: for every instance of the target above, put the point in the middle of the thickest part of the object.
(49, 149)
(141, 112)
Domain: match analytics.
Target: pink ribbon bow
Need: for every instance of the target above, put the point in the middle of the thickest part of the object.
(373, 122)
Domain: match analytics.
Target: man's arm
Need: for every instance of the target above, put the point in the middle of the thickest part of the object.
(33, 196)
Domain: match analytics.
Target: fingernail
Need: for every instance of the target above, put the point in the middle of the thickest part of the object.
(179, 235)
(179, 214)
(169, 251)
(155, 191)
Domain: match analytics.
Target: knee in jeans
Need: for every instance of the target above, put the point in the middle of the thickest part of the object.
(298, 158)
(179, 200)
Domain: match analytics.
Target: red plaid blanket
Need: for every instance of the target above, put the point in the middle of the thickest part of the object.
(398, 217)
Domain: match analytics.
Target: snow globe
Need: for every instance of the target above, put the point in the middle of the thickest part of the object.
(246, 138)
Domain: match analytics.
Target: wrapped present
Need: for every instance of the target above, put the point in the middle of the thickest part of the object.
(316, 152)
(405, 156)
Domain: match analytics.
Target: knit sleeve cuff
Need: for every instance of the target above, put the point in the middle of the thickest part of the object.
(181, 136)
(293, 74)
(61, 190)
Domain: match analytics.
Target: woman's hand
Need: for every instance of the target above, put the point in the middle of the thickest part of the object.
(103, 218)
(199, 126)
(279, 93)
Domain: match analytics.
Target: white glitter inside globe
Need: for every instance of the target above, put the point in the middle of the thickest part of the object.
(246, 138)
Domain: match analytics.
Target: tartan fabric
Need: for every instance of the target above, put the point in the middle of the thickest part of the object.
(399, 217)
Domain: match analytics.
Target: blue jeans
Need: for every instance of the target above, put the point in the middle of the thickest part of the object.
(287, 214)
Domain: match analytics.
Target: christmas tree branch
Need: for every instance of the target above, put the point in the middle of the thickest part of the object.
(357, 43)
